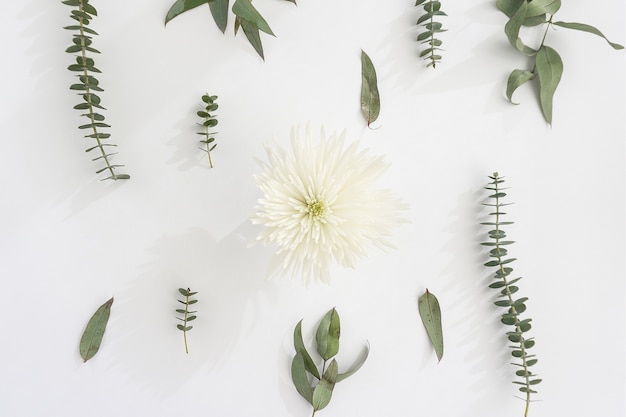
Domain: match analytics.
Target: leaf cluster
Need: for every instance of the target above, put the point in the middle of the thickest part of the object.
(304, 369)
(90, 106)
(547, 65)
(432, 9)
(508, 298)
(208, 121)
(187, 314)
(247, 17)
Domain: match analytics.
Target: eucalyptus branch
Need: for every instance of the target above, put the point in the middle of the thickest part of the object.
(208, 121)
(432, 8)
(82, 13)
(187, 314)
(515, 307)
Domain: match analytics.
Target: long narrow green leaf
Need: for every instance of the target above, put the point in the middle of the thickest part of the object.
(356, 366)
(92, 337)
(324, 389)
(517, 78)
(181, 6)
(299, 378)
(253, 35)
(431, 317)
(247, 12)
(298, 344)
(370, 98)
(549, 70)
(219, 11)
(589, 29)
(327, 335)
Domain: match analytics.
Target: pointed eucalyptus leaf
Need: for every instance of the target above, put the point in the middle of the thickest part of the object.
(512, 28)
(327, 335)
(549, 70)
(370, 98)
(219, 11)
(431, 317)
(246, 11)
(356, 366)
(298, 344)
(323, 391)
(300, 379)
(517, 78)
(589, 29)
(92, 337)
(181, 6)
(253, 35)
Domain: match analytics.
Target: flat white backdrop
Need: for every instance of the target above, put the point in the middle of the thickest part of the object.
(69, 242)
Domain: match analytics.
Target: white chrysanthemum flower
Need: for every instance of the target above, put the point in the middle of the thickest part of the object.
(319, 205)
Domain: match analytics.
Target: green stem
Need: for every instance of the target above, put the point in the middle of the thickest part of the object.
(185, 321)
(88, 93)
(208, 145)
(509, 295)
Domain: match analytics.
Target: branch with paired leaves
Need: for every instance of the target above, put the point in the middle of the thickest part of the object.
(90, 106)
(432, 9)
(304, 369)
(517, 335)
(187, 314)
(547, 65)
(247, 18)
(208, 121)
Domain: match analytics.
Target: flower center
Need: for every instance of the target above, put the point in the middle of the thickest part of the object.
(316, 208)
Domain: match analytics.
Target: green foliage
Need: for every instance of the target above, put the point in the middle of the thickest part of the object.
(90, 106)
(94, 332)
(187, 314)
(430, 313)
(432, 9)
(370, 98)
(503, 283)
(208, 121)
(247, 17)
(547, 66)
(304, 370)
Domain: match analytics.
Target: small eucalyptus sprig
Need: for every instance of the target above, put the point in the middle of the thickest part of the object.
(304, 369)
(432, 9)
(547, 65)
(502, 282)
(187, 314)
(90, 106)
(208, 121)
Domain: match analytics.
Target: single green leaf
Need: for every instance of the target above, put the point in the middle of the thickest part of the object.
(183, 292)
(431, 317)
(512, 28)
(370, 98)
(516, 79)
(299, 377)
(246, 11)
(549, 70)
(356, 366)
(327, 335)
(181, 6)
(324, 389)
(219, 11)
(589, 29)
(541, 7)
(298, 344)
(92, 337)
(253, 35)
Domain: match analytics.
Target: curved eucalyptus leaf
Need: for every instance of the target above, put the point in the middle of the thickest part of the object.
(549, 70)
(370, 98)
(356, 366)
(517, 78)
(324, 389)
(300, 379)
(512, 28)
(298, 344)
(327, 335)
(181, 6)
(589, 29)
(94, 332)
(247, 12)
(541, 7)
(431, 317)
(219, 11)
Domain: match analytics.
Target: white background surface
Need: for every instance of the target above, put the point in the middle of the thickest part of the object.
(68, 242)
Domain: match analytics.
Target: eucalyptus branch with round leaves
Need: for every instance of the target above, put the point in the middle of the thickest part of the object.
(208, 121)
(304, 370)
(188, 315)
(91, 106)
(432, 9)
(547, 65)
(519, 327)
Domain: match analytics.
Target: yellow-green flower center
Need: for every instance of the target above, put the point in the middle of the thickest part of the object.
(316, 208)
